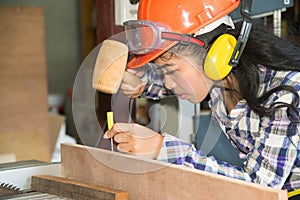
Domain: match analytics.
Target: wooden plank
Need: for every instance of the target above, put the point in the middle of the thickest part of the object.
(23, 81)
(150, 179)
(55, 123)
(32, 144)
(74, 189)
(25, 145)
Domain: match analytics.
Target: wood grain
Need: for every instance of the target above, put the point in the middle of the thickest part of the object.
(148, 179)
(23, 83)
(74, 189)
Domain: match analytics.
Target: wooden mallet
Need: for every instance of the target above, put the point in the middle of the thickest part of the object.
(110, 68)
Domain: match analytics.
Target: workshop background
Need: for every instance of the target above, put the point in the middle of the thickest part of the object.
(42, 46)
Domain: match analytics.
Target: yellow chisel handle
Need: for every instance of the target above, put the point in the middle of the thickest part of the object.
(110, 123)
(110, 119)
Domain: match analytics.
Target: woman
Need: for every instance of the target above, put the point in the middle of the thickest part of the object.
(256, 103)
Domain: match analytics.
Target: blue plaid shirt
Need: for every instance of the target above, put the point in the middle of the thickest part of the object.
(272, 157)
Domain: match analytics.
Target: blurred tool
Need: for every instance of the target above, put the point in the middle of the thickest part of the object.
(110, 123)
(9, 189)
(15, 178)
(110, 68)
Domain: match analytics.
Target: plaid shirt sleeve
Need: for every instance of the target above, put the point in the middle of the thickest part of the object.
(178, 152)
(155, 88)
(270, 171)
(272, 157)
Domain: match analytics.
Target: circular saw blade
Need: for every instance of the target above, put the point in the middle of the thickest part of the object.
(7, 189)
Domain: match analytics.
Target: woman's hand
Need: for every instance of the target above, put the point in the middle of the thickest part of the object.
(136, 139)
(132, 85)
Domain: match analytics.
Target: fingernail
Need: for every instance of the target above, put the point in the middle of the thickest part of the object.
(130, 87)
(131, 70)
(105, 136)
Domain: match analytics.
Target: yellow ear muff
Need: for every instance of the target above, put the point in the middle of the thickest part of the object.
(216, 64)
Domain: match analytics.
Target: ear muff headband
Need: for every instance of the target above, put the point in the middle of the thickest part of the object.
(222, 56)
(216, 64)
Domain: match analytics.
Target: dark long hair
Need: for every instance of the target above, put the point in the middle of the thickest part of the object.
(266, 49)
(263, 49)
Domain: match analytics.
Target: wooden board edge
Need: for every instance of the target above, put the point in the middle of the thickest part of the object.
(74, 189)
(265, 190)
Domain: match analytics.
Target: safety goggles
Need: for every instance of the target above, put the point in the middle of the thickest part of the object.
(145, 36)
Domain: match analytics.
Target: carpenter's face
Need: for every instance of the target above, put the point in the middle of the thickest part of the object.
(185, 78)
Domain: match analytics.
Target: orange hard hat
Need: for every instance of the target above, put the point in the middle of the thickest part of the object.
(181, 16)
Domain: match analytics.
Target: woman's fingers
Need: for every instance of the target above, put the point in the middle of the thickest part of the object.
(113, 131)
(136, 139)
(126, 87)
(122, 138)
(132, 85)
(139, 72)
(132, 71)
(132, 91)
(124, 147)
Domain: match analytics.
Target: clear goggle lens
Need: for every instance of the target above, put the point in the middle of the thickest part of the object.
(144, 36)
